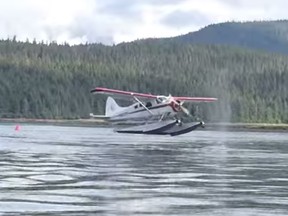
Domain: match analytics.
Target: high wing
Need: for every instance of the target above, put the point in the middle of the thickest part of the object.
(195, 99)
(126, 95)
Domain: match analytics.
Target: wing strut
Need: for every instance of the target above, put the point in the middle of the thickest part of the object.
(143, 105)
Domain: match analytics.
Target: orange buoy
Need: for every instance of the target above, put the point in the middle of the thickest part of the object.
(17, 127)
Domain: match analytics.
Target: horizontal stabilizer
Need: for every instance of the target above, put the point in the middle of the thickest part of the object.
(103, 117)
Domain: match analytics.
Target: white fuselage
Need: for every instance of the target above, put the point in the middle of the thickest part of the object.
(152, 110)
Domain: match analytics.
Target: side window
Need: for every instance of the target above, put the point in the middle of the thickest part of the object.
(148, 104)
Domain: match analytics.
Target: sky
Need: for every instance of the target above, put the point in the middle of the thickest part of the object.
(115, 21)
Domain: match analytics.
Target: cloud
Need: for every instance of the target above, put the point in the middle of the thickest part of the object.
(86, 29)
(246, 10)
(42, 20)
(256, 3)
(180, 19)
(124, 8)
(114, 21)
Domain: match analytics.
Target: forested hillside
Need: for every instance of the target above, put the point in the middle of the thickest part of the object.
(263, 35)
(53, 81)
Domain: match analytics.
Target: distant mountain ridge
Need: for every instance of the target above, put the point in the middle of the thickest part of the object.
(262, 35)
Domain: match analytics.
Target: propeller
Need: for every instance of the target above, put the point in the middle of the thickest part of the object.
(180, 105)
(184, 109)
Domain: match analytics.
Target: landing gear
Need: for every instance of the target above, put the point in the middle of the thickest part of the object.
(164, 116)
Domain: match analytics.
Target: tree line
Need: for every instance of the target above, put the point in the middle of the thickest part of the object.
(40, 80)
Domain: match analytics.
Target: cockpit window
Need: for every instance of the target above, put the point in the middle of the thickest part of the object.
(159, 100)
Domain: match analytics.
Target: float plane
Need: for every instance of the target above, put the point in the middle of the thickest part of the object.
(155, 114)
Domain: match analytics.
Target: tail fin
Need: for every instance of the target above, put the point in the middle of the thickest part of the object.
(111, 107)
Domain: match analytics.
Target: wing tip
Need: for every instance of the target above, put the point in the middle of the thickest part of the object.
(97, 89)
(93, 90)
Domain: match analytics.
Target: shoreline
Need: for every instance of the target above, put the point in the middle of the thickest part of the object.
(248, 126)
(92, 122)
(98, 122)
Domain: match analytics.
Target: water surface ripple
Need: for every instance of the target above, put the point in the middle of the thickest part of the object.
(57, 170)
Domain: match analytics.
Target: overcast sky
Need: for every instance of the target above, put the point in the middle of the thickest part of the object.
(115, 21)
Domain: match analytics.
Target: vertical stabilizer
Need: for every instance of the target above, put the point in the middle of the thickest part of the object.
(111, 107)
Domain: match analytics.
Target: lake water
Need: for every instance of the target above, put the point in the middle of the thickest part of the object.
(57, 170)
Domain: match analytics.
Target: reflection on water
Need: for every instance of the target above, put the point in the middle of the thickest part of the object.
(52, 170)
